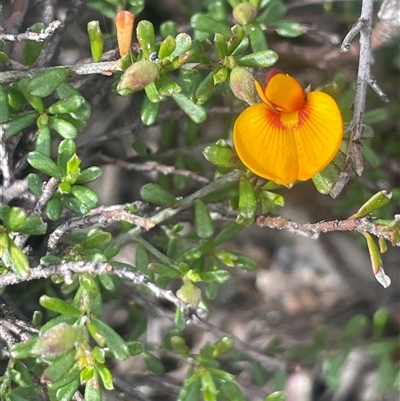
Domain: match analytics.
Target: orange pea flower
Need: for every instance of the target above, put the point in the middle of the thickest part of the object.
(292, 134)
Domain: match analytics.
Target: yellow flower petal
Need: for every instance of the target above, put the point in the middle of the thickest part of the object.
(319, 134)
(264, 145)
(284, 93)
(284, 147)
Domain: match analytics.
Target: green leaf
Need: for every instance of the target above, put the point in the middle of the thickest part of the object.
(208, 387)
(331, 370)
(168, 28)
(66, 129)
(165, 270)
(326, 179)
(67, 319)
(75, 205)
(4, 111)
(96, 40)
(156, 194)
(54, 207)
(215, 276)
(23, 349)
(59, 367)
(93, 389)
(135, 347)
(89, 175)
(149, 112)
(58, 305)
(106, 376)
(273, 12)
(354, 327)
(380, 320)
(152, 93)
(44, 164)
(375, 116)
(43, 141)
(236, 38)
(46, 83)
(146, 38)
(190, 390)
(204, 23)
(15, 218)
(196, 112)
(376, 201)
(35, 101)
(189, 293)
(21, 122)
(16, 99)
(142, 259)
(153, 363)
(247, 199)
(33, 226)
(203, 221)
(73, 170)
(228, 232)
(66, 149)
(97, 240)
(57, 340)
(257, 38)
(205, 88)
(66, 392)
(83, 112)
(231, 391)
(33, 48)
(35, 184)
(67, 105)
(289, 29)
(85, 195)
(183, 43)
(167, 46)
(24, 377)
(276, 396)
(271, 201)
(222, 155)
(20, 262)
(113, 340)
(263, 58)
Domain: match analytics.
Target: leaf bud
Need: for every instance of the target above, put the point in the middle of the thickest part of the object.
(242, 84)
(244, 13)
(138, 76)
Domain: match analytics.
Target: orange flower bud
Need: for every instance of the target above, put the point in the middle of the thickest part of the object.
(124, 22)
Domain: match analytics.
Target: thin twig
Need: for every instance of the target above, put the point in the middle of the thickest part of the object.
(268, 362)
(354, 157)
(14, 191)
(312, 230)
(47, 191)
(4, 162)
(154, 166)
(29, 35)
(185, 203)
(51, 47)
(15, 20)
(67, 269)
(102, 216)
(105, 67)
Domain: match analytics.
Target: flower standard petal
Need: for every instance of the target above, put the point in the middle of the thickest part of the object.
(264, 145)
(284, 93)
